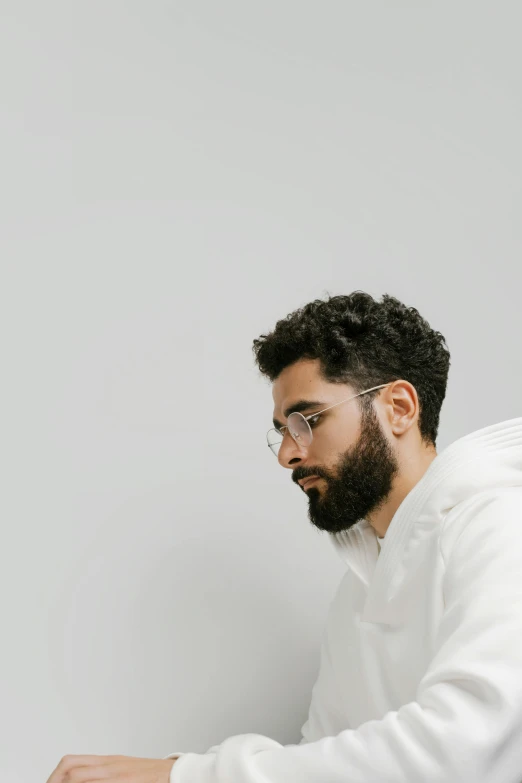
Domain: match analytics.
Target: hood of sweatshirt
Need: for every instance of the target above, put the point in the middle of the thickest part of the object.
(486, 459)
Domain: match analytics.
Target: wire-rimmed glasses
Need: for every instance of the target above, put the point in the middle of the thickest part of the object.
(298, 427)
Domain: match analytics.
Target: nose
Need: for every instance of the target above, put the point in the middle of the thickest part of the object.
(290, 451)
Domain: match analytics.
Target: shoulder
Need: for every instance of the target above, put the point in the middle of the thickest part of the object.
(490, 519)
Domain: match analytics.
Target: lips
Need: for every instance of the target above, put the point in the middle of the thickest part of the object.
(308, 481)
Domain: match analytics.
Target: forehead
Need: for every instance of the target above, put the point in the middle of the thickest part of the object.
(298, 381)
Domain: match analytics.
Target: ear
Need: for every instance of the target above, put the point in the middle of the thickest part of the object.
(401, 405)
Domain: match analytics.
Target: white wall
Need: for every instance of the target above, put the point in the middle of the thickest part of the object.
(175, 178)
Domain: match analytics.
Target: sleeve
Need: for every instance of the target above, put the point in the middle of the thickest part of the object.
(177, 753)
(465, 725)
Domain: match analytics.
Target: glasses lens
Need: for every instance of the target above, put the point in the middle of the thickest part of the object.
(274, 439)
(299, 429)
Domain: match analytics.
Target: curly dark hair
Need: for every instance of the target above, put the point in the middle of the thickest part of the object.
(364, 343)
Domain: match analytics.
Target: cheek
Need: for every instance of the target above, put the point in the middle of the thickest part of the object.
(324, 456)
(336, 443)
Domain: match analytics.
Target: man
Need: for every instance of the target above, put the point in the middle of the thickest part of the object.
(420, 675)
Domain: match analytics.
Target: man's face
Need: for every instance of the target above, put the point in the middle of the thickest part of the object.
(349, 452)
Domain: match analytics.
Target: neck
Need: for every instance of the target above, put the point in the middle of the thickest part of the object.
(412, 469)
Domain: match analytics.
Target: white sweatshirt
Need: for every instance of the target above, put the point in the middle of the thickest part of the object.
(420, 674)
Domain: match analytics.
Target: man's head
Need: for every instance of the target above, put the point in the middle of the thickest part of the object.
(362, 448)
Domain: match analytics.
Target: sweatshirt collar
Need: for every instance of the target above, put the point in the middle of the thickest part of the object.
(487, 458)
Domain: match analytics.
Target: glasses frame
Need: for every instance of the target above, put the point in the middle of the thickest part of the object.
(311, 415)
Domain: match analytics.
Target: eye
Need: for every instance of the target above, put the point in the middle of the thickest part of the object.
(313, 420)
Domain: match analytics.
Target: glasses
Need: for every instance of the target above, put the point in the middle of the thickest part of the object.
(299, 428)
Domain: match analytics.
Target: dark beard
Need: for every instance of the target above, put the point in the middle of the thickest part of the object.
(361, 483)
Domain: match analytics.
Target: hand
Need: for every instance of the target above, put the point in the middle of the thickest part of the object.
(92, 769)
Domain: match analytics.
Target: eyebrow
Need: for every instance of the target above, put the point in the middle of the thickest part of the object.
(297, 407)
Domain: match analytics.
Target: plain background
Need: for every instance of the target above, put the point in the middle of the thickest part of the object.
(175, 178)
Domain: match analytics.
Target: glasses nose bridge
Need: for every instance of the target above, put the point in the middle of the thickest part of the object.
(289, 452)
(299, 444)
